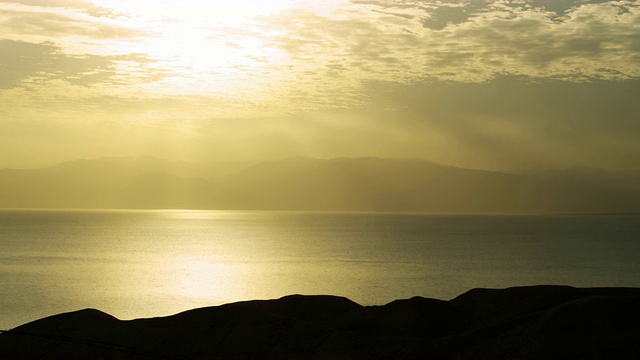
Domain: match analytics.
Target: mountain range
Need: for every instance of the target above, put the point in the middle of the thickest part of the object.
(299, 183)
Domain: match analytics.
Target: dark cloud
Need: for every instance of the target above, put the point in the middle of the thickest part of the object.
(20, 61)
(404, 16)
(442, 16)
(562, 6)
(440, 13)
(557, 6)
(591, 42)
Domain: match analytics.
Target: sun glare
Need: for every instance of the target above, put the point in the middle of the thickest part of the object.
(206, 46)
(216, 10)
(205, 280)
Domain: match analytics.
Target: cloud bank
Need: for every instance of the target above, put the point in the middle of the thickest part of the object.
(287, 67)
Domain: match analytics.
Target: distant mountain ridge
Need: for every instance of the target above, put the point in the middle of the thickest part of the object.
(299, 183)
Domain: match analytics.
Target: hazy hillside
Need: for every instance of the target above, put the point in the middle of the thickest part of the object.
(209, 171)
(374, 184)
(378, 185)
(106, 184)
(349, 184)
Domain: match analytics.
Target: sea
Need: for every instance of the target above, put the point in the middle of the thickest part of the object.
(148, 263)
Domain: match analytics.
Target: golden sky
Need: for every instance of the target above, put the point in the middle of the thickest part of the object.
(514, 84)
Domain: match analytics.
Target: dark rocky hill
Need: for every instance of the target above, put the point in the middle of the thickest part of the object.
(540, 322)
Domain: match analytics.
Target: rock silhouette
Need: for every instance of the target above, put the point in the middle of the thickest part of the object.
(538, 322)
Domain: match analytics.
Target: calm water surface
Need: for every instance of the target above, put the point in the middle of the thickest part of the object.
(152, 263)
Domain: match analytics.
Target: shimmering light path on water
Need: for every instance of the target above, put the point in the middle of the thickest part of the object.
(152, 263)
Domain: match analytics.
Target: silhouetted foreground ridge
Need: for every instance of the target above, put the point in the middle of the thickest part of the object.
(539, 322)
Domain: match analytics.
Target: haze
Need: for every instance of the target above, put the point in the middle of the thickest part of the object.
(498, 85)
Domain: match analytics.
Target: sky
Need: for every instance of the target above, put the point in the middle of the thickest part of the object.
(499, 85)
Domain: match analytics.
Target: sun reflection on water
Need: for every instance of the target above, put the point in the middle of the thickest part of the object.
(206, 279)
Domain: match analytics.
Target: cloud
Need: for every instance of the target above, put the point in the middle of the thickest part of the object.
(471, 6)
(21, 23)
(302, 59)
(26, 64)
(84, 6)
(474, 83)
(469, 41)
(22, 61)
